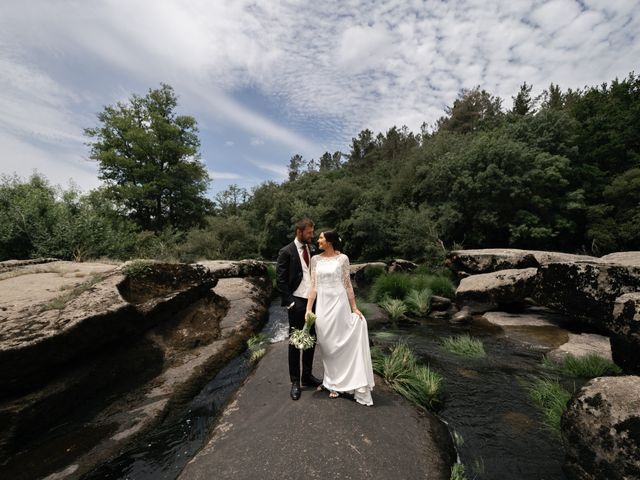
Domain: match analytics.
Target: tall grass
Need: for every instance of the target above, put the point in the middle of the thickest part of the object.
(458, 472)
(394, 285)
(271, 273)
(371, 272)
(464, 345)
(398, 285)
(400, 370)
(551, 398)
(588, 366)
(419, 301)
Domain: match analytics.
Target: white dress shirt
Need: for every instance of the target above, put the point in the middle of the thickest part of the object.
(303, 289)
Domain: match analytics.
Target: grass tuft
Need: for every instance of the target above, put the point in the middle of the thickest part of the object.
(464, 345)
(588, 366)
(394, 307)
(458, 472)
(400, 370)
(61, 301)
(419, 301)
(551, 398)
(393, 285)
(257, 347)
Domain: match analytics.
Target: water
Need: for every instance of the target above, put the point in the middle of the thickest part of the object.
(486, 404)
(165, 451)
(499, 432)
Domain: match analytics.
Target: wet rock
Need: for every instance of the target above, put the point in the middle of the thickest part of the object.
(399, 265)
(601, 430)
(487, 291)
(471, 262)
(581, 345)
(625, 325)
(463, 316)
(440, 303)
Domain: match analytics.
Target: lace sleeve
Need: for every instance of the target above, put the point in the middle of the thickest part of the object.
(346, 280)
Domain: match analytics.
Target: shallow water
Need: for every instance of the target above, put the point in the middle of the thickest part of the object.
(499, 431)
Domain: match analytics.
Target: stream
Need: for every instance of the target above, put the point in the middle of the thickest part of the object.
(498, 431)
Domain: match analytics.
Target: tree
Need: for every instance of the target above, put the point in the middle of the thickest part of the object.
(522, 103)
(148, 157)
(230, 199)
(471, 110)
(295, 167)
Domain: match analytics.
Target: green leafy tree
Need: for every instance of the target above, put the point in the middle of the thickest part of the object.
(522, 102)
(148, 157)
(472, 110)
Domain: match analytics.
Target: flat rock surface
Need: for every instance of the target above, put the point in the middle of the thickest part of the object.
(264, 434)
(25, 286)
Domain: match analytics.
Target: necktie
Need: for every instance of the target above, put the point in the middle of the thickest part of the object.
(305, 254)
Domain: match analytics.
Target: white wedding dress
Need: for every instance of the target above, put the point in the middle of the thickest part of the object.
(342, 335)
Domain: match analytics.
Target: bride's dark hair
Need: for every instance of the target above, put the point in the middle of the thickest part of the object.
(333, 238)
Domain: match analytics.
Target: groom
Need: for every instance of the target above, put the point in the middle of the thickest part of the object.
(294, 281)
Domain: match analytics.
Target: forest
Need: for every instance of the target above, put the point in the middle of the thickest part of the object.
(560, 171)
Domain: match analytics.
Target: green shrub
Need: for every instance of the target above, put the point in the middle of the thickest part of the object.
(441, 285)
(371, 273)
(394, 307)
(394, 285)
(361, 307)
(464, 345)
(419, 301)
(551, 398)
(588, 366)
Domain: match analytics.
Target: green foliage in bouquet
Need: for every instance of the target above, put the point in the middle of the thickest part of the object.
(302, 339)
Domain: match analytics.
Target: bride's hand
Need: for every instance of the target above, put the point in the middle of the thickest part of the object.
(359, 313)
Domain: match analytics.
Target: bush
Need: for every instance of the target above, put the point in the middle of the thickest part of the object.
(588, 366)
(464, 345)
(551, 398)
(371, 273)
(393, 285)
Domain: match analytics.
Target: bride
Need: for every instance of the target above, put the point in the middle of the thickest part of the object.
(340, 326)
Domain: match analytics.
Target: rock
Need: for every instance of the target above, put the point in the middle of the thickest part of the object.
(440, 303)
(487, 291)
(399, 265)
(8, 265)
(601, 430)
(240, 268)
(463, 316)
(630, 259)
(471, 262)
(625, 326)
(35, 342)
(581, 345)
(586, 290)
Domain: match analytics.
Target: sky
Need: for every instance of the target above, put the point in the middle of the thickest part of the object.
(266, 80)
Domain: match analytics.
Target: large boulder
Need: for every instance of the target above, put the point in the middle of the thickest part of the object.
(625, 326)
(631, 259)
(487, 291)
(235, 268)
(585, 290)
(601, 430)
(471, 262)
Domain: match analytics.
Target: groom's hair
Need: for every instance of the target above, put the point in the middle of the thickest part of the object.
(304, 223)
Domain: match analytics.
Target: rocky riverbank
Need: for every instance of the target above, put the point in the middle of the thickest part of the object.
(90, 368)
(600, 428)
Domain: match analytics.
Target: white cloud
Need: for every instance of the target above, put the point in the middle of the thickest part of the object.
(280, 170)
(216, 175)
(331, 68)
(228, 143)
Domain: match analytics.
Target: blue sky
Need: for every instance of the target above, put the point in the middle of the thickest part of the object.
(268, 79)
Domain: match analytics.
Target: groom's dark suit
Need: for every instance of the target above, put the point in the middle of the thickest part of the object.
(288, 277)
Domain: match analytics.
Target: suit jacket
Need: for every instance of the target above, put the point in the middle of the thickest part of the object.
(289, 272)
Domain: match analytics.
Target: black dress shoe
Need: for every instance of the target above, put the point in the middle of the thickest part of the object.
(295, 390)
(311, 381)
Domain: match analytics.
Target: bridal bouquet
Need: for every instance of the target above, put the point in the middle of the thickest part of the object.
(302, 339)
